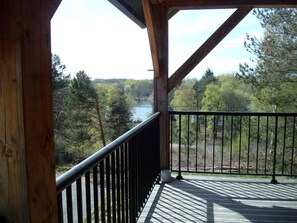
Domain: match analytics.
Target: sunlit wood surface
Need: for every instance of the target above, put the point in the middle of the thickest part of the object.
(209, 199)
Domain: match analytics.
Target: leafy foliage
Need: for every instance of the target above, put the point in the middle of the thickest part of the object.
(184, 97)
(227, 94)
(274, 77)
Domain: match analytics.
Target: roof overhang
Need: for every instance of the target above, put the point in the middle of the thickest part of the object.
(131, 8)
(134, 8)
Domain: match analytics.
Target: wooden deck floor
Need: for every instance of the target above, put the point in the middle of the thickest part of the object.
(209, 199)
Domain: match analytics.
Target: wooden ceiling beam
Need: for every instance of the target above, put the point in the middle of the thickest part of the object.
(219, 4)
(207, 46)
(54, 5)
(152, 34)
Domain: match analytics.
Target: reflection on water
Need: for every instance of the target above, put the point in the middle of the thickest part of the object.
(142, 110)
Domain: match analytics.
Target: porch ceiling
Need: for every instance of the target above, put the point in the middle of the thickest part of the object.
(134, 9)
(131, 8)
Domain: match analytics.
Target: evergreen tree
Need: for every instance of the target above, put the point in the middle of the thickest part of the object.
(60, 82)
(200, 86)
(119, 112)
(84, 126)
(274, 77)
(59, 79)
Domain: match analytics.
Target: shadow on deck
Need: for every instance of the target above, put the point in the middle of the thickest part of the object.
(209, 199)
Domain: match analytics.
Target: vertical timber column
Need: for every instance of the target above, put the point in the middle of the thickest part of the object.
(27, 168)
(161, 82)
(157, 25)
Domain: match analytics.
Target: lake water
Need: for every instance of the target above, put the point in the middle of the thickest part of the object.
(142, 110)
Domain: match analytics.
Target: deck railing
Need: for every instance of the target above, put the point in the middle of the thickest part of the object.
(234, 143)
(113, 184)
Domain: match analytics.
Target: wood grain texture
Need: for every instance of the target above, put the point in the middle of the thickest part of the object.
(13, 187)
(219, 4)
(152, 34)
(27, 184)
(157, 26)
(207, 47)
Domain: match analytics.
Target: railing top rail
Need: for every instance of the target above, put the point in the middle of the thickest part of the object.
(230, 113)
(77, 171)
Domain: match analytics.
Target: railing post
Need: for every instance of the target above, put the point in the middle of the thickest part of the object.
(273, 180)
(179, 176)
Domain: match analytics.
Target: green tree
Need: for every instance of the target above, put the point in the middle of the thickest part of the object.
(274, 76)
(60, 82)
(184, 97)
(118, 112)
(184, 100)
(139, 89)
(228, 94)
(59, 78)
(84, 117)
(200, 86)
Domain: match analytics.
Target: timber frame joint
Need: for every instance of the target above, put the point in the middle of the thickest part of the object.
(157, 2)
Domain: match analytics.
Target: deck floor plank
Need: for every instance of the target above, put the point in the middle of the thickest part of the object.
(209, 199)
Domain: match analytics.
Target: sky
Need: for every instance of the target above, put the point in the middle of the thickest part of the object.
(96, 37)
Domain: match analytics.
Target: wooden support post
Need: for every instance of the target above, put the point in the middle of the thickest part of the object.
(27, 167)
(157, 26)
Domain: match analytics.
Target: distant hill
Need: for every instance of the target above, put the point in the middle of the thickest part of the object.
(139, 89)
(109, 81)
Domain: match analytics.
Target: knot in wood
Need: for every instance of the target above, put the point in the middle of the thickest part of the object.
(10, 152)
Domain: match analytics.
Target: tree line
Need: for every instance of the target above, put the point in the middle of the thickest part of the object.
(88, 114)
(268, 84)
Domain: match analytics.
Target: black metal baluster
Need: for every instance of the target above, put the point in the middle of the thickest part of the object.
(131, 181)
(118, 183)
(88, 197)
(171, 139)
(113, 189)
(123, 160)
(197, 142)
(205, 127)
(266, 144)
(179, 176)
(127, 187)
(213, 143)
(102, 192)
(108, 196)
(249, 146)
(231, 146)
(69, 204)
(293, 145)
(274, 181)
(188, 141)
(239, 144)
(96, 195)
(284, 145)
(258, 141)
(60, 208)
(223, 135)
(79, 200)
